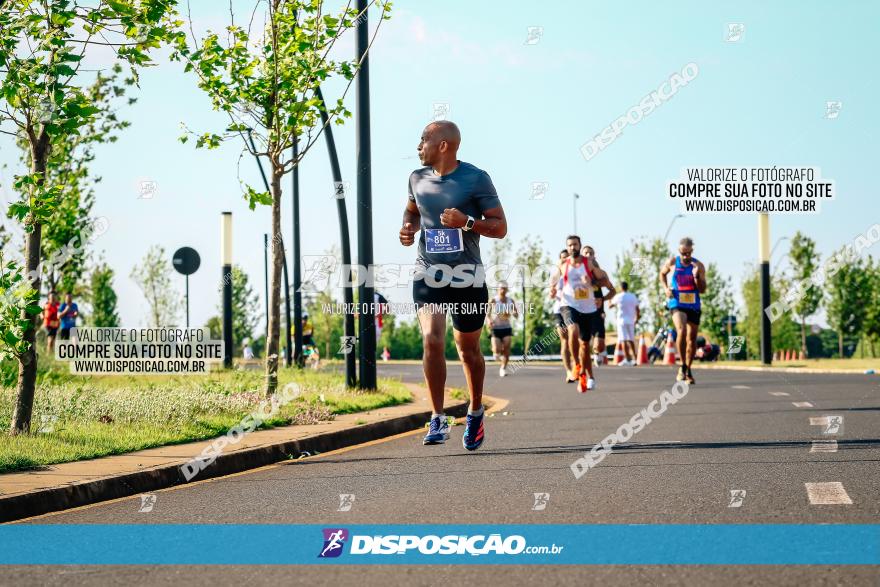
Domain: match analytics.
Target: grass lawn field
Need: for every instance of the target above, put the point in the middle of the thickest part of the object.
(83, 417)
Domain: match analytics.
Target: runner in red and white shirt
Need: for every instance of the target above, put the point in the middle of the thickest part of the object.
(578, 310)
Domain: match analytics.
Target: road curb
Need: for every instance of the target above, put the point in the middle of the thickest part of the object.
(16, 507)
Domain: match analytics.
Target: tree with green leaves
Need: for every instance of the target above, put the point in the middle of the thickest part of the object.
(804, 263)
(103, 297)
(717, 303)
(46, 105)
(215, 327)
(872, 312)
(640, 268)
(848, 295)
(785, 332)
(265, 81)
(536, 264)
(153, 277)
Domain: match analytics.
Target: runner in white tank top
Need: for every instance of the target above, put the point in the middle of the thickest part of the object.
(578, 311)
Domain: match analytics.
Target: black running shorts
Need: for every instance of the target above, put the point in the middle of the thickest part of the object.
(693, 316)
(585, 322)
(599, 324)
(560, 323)
(467, 305)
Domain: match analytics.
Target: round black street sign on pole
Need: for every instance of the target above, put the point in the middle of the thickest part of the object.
(186, 261)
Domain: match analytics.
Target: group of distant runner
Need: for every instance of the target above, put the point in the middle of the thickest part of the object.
(451, 204)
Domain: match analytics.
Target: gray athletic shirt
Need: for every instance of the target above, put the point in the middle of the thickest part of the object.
(468, 189)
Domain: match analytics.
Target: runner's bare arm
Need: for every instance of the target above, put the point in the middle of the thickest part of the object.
(493, 224)
(605, 282)
(664, 271)
(411, 219)
(701, 277)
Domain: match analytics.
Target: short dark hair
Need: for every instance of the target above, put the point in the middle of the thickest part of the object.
(624, 285)
(573, 236)
(563, 252)
(686, 242)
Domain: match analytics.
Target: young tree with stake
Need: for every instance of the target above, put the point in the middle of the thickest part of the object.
(264, 77)
(43, 103)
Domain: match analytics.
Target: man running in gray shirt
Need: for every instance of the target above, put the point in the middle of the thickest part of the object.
(453, 203)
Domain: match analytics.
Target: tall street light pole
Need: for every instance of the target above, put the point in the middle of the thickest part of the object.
(266, 278)
(226, 260)
(668, 230)
(347, 288)
(574, 211)
(764, 257)
(366, 323)
(298, 358)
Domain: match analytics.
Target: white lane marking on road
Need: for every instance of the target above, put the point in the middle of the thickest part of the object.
(802, 404)
(831, 493)
(778, 393)
(824, 446)
(818, 420)
(740, 387)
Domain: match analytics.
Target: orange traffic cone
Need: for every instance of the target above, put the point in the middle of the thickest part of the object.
(619, 355)
(801, 355)
(669, 357)
(643, 351)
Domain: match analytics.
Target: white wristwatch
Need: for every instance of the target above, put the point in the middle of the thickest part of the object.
(469, 223)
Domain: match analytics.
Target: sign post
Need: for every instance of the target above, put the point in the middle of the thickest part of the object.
(186, 261)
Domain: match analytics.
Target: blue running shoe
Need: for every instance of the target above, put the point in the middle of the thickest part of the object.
(438, 431)
(473, 432)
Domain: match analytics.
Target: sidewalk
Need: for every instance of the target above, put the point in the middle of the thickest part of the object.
(68, 485)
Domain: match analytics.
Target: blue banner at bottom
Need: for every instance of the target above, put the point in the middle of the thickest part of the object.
(613, 544)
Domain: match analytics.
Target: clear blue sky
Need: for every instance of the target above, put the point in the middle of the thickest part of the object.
(524, 111)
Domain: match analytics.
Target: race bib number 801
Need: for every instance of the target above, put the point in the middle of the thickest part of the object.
(443, 240)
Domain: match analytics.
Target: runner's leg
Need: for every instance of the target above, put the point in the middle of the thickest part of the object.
(468, 345)
(586, 361)
(434, 357)
(679, 319)
(692, 330)
(563, 348)
(505, 351)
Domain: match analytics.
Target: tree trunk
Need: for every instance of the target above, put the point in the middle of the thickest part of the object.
(27, 363)
(274, 334)
(840, 344)
(804, 336)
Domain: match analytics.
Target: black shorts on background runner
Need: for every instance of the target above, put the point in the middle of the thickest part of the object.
(502, 332)
(585, 322)
(693, 316)
(559, 321)
(446, 294)
(599, 324)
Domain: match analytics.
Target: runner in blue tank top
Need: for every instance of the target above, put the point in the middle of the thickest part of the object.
(683, 300)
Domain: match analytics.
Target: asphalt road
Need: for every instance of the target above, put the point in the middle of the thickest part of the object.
(734, 431)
